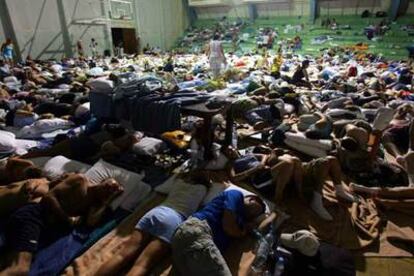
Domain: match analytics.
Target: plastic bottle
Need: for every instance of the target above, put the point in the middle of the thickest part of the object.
(279, 267)
(234, 137)
(263, 250)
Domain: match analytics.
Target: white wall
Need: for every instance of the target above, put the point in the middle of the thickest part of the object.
(293, 8)
(39, 30)
(80, 9)
(160, 22)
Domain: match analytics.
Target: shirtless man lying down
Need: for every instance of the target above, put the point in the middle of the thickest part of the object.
(69, 202)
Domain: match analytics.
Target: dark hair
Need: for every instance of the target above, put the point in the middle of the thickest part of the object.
(216, 36)
(305, 63)
(32, 173)
(260, 201)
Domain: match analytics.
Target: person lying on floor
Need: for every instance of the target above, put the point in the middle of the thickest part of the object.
(275, 171)
(360, 160)
(151, 239)
(111, 141)
(18, 194)
(402, 137)
(69, 202)
(17, 169)
(199, 242)
(397, 138)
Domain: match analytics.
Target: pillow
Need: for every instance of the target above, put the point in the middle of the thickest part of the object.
(148, 146)
(43, 126)
(7, 142)
(59, 165)
(129, 180)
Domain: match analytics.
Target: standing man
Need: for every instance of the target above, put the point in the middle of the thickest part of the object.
(79, 48)
(93, 46)
(216, 56)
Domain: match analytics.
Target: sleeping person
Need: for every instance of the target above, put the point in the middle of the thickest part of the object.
(69, 202)
(272, 173)
(17, 169)
(151, 239)
(198, 243)
(111, 141)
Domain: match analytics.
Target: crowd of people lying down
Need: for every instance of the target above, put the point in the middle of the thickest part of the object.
(299, 122)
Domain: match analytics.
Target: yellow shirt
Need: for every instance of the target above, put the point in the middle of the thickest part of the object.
(277, 63)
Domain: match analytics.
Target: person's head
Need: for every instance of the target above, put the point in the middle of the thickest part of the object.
(93, 39)
(105, 189)
(8, 41)
(253, 207)
(305, 63)
(216, 36)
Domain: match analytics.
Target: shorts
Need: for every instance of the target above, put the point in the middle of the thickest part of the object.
(24, 228)
(161, 222)
(312, 180)
(194, 251)
(7, 56)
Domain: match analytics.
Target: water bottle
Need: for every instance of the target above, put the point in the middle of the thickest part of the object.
(279, 267)
(263, 250)
(234, 136)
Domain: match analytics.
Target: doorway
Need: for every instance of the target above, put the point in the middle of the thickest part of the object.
(125, 39)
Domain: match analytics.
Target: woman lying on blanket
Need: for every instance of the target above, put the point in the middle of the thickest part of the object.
(271, 173)
(150, 242)
(107, 143)
(70, 201)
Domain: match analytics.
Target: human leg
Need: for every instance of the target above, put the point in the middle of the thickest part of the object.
(126, 253)
(335, 173)
(315, 175)
(282, 174)
(151, 255)
(297, 172)
(20, 265)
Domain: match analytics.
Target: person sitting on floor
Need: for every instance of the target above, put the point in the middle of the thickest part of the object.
(198, 243)
(151, 239)
(300, 77)
(70, 201)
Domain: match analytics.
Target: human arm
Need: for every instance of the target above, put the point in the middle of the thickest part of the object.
(53, 205)
(231, 227)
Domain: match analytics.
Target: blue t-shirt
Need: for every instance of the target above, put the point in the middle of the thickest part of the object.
(232, 201)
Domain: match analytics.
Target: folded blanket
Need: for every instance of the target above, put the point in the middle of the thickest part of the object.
(322, 144)
(309, 150)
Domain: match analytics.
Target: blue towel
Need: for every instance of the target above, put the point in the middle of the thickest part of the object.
(53, 259)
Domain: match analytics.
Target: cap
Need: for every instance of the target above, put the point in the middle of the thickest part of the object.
(303, 240)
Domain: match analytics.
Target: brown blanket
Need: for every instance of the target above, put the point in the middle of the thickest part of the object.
(360, 226)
